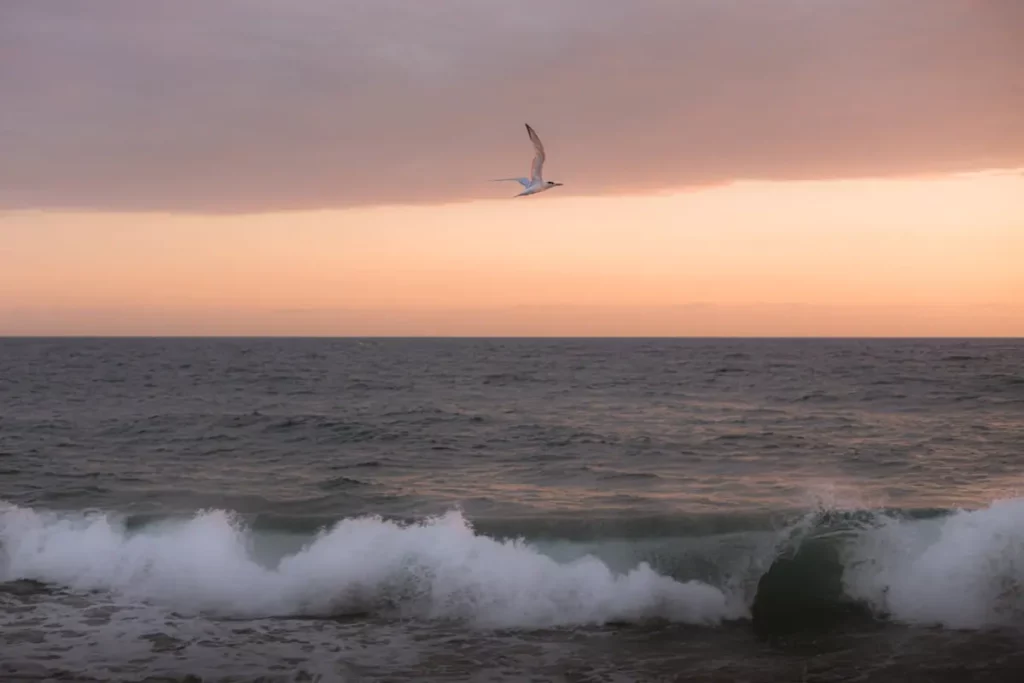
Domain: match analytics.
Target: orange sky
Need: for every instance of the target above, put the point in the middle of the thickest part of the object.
(927, 256)
(786, 167)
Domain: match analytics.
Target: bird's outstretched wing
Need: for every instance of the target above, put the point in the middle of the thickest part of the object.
(538, 160)
(525, 182)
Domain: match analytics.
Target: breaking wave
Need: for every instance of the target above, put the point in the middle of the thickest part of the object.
(964, 570)
(438, 568)
(958, 569)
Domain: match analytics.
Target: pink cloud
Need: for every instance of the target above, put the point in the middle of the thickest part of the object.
(256, 105)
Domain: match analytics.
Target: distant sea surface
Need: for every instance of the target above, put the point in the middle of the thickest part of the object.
(511, 509)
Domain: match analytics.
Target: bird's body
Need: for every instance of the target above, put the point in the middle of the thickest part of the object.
(535, 183)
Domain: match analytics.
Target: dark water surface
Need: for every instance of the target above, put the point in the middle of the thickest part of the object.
(550, 510)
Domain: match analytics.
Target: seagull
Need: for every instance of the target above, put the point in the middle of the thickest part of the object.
(535, 183)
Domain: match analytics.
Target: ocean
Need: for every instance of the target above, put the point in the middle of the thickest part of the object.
(511, 510)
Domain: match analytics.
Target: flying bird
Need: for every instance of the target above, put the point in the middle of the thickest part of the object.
(535, 183)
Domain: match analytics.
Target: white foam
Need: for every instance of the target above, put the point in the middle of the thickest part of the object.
(965, 570)
(438, 568)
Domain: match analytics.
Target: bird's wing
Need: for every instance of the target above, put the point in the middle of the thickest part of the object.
(538, 160)
(525, 182)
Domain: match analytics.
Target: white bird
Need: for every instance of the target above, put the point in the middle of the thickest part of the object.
(535, 183)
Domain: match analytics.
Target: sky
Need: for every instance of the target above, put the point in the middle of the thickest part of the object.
(778, 168)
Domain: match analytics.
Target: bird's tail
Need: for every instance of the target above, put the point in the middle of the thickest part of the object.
(525, 182)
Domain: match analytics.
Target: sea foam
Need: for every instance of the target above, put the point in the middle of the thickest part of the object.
(961, 570)
(437, 568)
(964, 570)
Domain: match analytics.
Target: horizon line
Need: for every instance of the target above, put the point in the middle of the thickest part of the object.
(525, 336)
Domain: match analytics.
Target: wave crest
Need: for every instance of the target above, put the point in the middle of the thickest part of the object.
(964, 570)
(958, 569)
(437, 568)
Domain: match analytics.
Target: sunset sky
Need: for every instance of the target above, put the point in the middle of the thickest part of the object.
(775, 168)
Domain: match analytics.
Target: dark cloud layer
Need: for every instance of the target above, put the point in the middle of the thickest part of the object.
(252, 105)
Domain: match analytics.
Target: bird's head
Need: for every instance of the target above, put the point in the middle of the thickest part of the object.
(553, 184)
